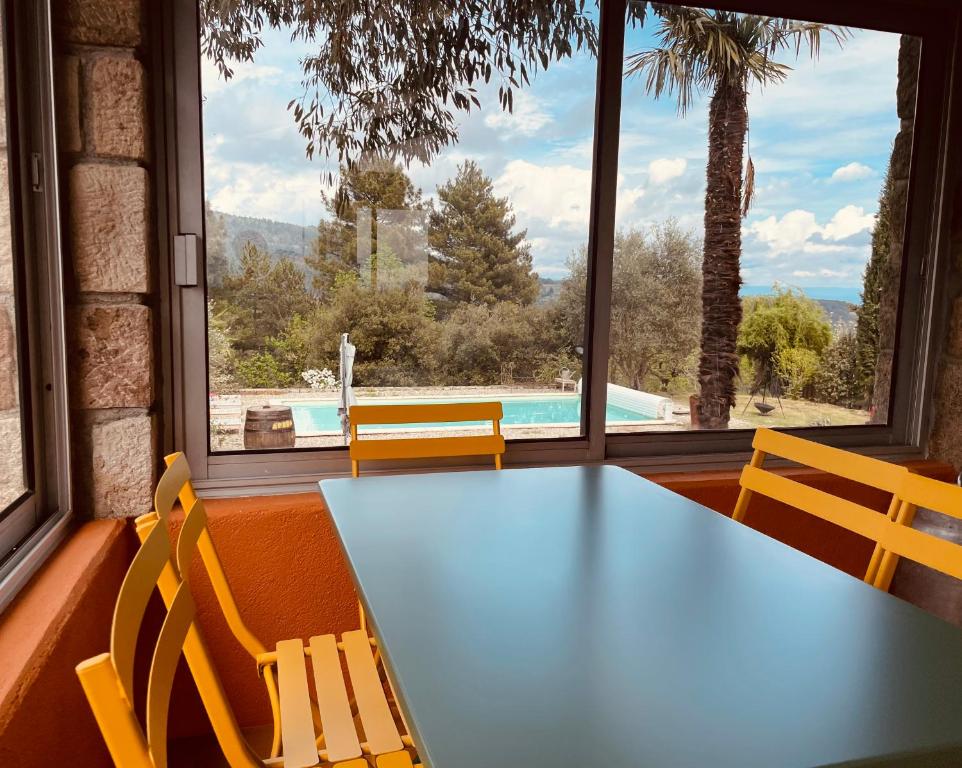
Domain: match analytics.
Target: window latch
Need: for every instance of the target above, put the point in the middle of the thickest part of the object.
(186, 260)
(36, 176)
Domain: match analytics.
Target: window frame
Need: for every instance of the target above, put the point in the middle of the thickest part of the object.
(921, 306)
(33, 525)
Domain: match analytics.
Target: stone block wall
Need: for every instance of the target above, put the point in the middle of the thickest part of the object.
(946, 442)
(11, 457)
(900, 167)
(105, 161)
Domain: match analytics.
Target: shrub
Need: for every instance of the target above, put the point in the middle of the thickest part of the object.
(261, 370)
(838, 380)
(797, 367)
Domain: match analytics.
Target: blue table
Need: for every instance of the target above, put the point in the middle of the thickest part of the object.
(584, 616)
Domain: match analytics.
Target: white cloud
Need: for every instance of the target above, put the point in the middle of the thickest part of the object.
(848, 221)
(794, 232)
(557, 194)
(526, 119)
(851, 172)
(266, 191)
(803, 273)
(664, 169)
(213, 82)
(788, 233)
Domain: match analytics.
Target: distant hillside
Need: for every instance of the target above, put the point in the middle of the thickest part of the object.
(841, 314)
(278, 238)
(550, 289)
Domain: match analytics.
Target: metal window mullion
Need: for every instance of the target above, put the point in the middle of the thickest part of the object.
(188, 306)
(601, 232)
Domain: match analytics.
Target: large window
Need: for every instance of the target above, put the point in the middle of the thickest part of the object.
(443, 258)
(760, 226)
(644, 228)
(34, 494)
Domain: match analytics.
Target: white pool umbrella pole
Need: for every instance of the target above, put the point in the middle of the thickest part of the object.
(347, 398)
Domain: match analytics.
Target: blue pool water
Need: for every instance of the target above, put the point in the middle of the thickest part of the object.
(311, 418)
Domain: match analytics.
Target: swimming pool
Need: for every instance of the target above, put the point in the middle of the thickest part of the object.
(317, 418)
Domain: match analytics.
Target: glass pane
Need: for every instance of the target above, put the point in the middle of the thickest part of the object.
(446, 240)
(760, 222)
(12, 479)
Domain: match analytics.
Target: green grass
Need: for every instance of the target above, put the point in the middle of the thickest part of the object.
(797, 413)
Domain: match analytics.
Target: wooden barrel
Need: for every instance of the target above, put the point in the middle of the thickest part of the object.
(931, 590)
(268, 426)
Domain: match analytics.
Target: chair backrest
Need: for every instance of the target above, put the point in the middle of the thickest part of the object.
(178, 479)
(108, 679)
(945, 498)
(425, 447)
(864, 470)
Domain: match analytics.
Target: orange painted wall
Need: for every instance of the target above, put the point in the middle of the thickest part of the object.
(62, 617)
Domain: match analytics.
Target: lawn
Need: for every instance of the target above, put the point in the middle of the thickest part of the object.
(797, 413)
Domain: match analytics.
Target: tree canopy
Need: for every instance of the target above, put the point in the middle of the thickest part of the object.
(258, 299)
(478, 257)
(784, 336)
(368, 198)
(877, 275)
(388, 79)
(655, 318)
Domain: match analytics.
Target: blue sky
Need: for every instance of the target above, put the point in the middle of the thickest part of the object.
(820, 142)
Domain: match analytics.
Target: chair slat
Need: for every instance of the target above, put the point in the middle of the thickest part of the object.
(423, 448)
(834, 461)
(114, 715)
(936, 495)
(394, 760)
(170, 484)
(425, 413)
(135, 592)
(931, 551)
(167, 652)
(847, 514)
(380, 732)
(195, 523)
(297, 722)
(340, 736)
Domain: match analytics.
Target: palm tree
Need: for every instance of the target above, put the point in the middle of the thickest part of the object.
(722, 53)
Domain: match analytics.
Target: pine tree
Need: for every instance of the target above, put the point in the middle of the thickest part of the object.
(479, 258)
(874, 278)
(258, 300)
(378, 191)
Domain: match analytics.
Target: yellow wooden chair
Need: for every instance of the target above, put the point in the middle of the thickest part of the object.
(918, 491)
(894, 537)
(373, 449)
(107, 679)
(865, 470)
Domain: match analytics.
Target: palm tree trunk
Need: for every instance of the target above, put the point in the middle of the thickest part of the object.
(721, 306)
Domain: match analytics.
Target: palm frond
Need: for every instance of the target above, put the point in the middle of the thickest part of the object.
(665, 71)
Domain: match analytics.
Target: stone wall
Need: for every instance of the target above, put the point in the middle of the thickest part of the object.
(900, 166)
(11, 456)
(946, 442)
(105, 157)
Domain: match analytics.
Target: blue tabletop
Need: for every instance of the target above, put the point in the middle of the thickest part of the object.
(584, 616)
